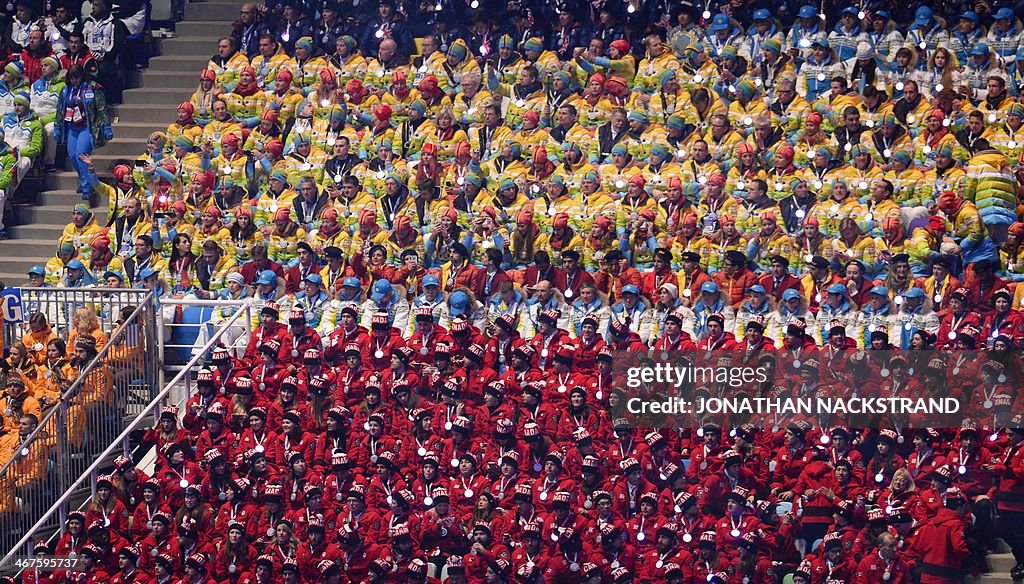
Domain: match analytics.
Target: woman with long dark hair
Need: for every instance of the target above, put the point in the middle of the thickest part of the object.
(181, 263)
(885, 462)
(82, 122)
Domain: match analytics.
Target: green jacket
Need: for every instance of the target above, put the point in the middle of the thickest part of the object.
(25, 135)
(7, 167)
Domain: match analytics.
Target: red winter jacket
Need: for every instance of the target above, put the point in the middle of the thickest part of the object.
(1010, 474)
(943, 548)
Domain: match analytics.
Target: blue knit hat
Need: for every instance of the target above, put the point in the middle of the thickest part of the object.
(903, 156)
(458, 49)
(665, 76)
(336, 113)
(16, 69)
(516, 147)
(639, 116)
(746, 89)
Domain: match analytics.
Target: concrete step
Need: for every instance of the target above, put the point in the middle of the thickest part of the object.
(200, 46)
(16, 274)
(49, 232)
(29, 190)
(25, 250)
(1001, 563)
(45, 232)
(184, 63)
(156, 97)
(204, 28)
(44, 214)
(221, 10)
(65, 199)
(137, 131)
(158, 116)
(994, 579)
(13, 278)
(21, 264)
(128, 148)
(64, 180)
(160, 79)
(105, 160)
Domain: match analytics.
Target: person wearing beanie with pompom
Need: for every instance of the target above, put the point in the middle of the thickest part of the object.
(44, 94)
(281, 96)
(24, 135)
(945, 173)
(308, 65)
(886, 139)
(203, 97)
(185, 124)
(346, 61)
(332, 134)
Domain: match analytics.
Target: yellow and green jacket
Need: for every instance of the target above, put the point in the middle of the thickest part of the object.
(227, 70)
(268, 68)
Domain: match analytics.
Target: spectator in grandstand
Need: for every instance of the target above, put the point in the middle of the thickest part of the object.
(105, 35)
(86, 324)
(716, 137)
(248, 29)
(84, 123)
(37, 337)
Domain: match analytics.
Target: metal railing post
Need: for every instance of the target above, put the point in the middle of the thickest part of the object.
(158, 316)
(61, 456)
(156, 355)
(62, 516)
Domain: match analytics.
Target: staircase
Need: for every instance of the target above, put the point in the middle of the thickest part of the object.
(999, 565)
(43, 205)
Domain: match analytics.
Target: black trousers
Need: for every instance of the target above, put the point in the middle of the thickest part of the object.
(1011, 529)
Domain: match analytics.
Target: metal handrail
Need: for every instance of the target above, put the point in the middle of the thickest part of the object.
(201, 302)
(243, 307)
(56, 303)
(120, 440)
(174, 349)
(100, 357)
